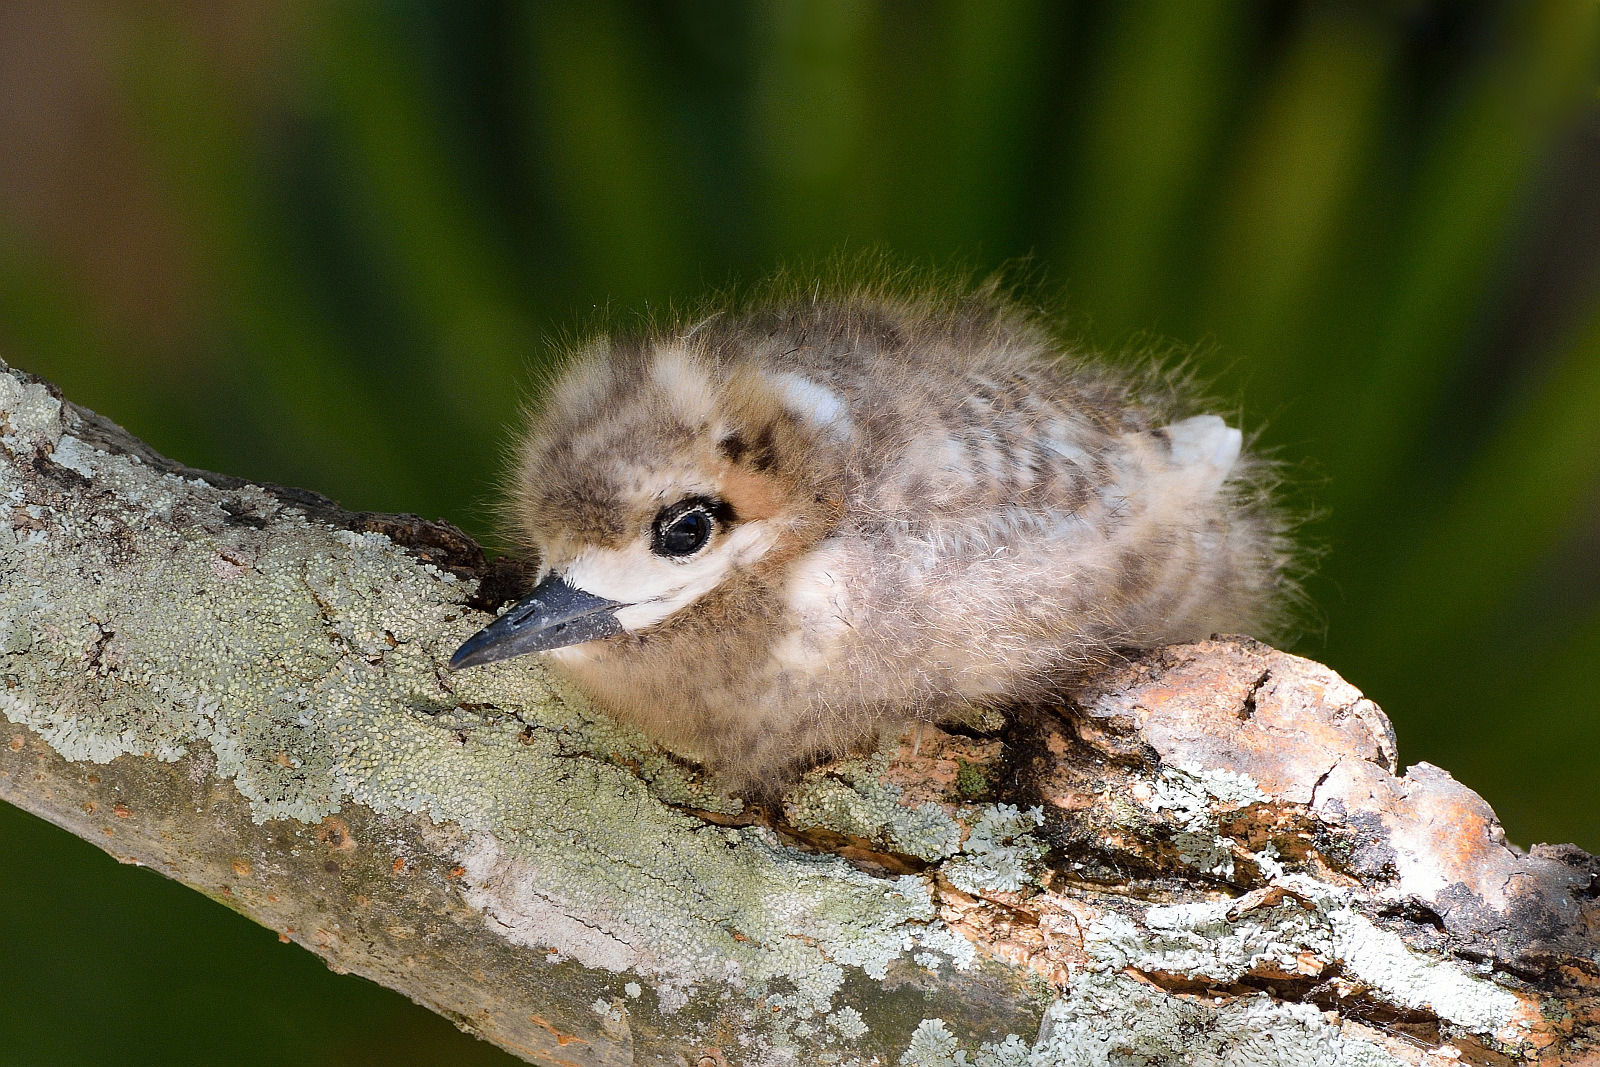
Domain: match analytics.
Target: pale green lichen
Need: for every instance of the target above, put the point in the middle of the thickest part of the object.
(940, 939)
(1269, 862)
(29, 415)
(853, 798)
(1000, 854)
(1109, 1019)
(1011, 1052)
(1192, 794)
(847, 1023)
(1208, 940)
(1199, 940)
(933, 1045)
(1401, 977)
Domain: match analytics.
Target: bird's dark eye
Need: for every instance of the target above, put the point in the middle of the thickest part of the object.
(682, 529)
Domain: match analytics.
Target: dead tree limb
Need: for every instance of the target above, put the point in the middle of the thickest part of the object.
(1207, 859)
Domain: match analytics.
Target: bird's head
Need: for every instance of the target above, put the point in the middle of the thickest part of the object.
(654, 472)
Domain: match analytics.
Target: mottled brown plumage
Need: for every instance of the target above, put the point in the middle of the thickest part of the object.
(917, 502)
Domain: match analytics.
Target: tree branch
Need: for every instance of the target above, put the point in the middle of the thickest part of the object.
(1207, 857)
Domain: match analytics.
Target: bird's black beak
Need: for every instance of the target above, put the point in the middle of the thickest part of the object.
(552, 616)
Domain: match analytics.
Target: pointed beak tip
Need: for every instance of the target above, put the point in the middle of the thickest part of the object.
(461, 658)
(476, 651)
(553, 616)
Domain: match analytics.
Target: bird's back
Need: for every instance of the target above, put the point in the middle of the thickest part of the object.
(1012, 513)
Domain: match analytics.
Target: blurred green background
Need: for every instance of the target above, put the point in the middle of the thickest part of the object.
(320, 243)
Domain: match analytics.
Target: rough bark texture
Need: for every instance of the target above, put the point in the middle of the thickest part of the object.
(1209, 858)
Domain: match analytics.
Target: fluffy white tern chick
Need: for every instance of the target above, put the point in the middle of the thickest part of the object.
(770, 536)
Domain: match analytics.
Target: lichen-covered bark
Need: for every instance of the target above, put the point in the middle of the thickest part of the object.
(1206, 859)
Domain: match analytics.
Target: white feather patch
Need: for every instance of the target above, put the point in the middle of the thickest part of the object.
(816, 404)
(1206, 445)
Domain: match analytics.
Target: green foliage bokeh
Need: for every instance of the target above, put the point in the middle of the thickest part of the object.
(1375, 221)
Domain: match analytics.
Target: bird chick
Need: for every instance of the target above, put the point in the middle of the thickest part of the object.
(772, 535)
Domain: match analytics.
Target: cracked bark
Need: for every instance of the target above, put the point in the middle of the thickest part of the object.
(1207, 856)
